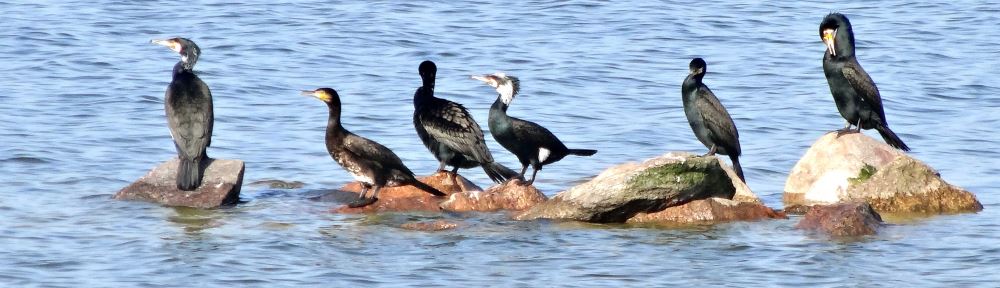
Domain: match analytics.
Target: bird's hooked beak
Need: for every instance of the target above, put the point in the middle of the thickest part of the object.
(697, 71)
(169, 43)
(828, 39)
(488, 79)
(318, 94)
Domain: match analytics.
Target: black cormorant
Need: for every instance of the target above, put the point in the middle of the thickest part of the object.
(189, 113)
(710, 121)
(530, 142)
(853, 90)
(371, 164)
(450, 133)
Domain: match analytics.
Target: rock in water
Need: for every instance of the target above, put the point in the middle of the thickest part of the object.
(220, 185)
(621, 192)
(510, 195)
(855, 167)
(844, 219)
(710, 211)
(409, 198)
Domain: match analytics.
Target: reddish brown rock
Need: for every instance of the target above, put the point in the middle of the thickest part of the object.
(409, 198)
(712, 210)
(855, 167)
(510, 195)
(844, 219)
(437, 225)
(220, 185)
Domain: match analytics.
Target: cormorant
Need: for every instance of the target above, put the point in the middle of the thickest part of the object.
(189, 113)
(450, 133)
(530, 142)
(853, 90)
(710, 121)
(371, 164)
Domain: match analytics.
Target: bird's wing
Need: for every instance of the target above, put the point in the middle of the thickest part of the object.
(452, 125)
(864, 85)
(717, 120)
(531, 133)
(373, 153)
(210, 116)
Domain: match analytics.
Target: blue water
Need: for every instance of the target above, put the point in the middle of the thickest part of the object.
(81, 115)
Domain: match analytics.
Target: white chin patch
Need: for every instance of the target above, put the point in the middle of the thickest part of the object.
(543, 154)
(506, 94)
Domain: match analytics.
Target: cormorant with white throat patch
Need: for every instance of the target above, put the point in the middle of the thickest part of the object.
(531, 143)
(189, 112)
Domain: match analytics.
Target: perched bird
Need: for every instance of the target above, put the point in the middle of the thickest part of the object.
(371, 164)
(189, 113)
(530, 142)
(853, 90)
(450, 133)
(710, 121)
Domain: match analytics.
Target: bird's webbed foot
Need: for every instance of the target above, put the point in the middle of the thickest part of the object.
(362, 202)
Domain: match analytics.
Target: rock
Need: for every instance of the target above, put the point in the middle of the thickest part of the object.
(844, 219)
(409, 198)
(855, 167)
(437, 225)
(278, 184)
(710, 211)
(625, 190)
(220, 185)
(510, 195)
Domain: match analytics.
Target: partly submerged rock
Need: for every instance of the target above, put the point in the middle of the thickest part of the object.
(855, 167)
(710, 211)
(622, 191)
(220, 185)
(844, 219)
(278, 184)
(510, 195)
(437, 225)
(409, 198)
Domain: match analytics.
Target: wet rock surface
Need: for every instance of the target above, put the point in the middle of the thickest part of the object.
(220, 186)
(623, 191)
(843, 219)
(409, 198)
(510, 195)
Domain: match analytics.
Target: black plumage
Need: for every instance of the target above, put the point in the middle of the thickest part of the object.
(371, 164)
(450, 132)
(189, 112)
(854, 92)
(709, 120)
(531, 143)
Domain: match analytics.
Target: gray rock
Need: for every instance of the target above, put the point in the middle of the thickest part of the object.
(621, 192)
(855, 167)
(220, 185)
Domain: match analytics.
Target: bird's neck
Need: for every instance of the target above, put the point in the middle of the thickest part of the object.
(333, 126)
(498, 119)
(423, 95)
(691, 84)
(181, 69)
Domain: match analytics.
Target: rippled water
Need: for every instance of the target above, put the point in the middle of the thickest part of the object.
(81, 116)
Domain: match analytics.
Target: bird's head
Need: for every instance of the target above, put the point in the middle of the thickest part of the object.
(698, 67)
(185, 47)
(508, 86)
(327, 95)
(428, 70)
(837, 34)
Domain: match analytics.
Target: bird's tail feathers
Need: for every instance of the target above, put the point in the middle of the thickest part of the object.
(188, 174)
(499, 173)
(891, 138)
(582, 152)
(427, 188)
(738, 168)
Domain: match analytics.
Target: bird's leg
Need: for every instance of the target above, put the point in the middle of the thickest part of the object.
(362, 200)
(533, 174)
(847, 129)
(859, 126)
(441, 167)
(454, 176)
(711, 151)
